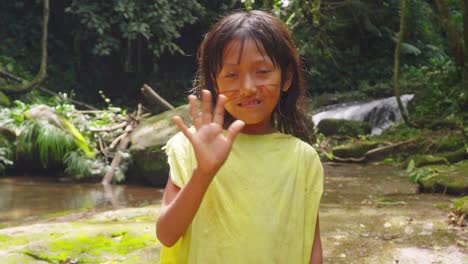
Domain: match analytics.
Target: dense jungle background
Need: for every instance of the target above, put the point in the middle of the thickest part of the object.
(87, 89)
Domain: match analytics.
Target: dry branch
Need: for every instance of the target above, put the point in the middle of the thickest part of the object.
(374, 151)
(111, 128)
(106, 180)
(154, 97)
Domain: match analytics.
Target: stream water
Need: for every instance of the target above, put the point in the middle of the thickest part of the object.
(380, 113)
(369, 213)
(30, 198)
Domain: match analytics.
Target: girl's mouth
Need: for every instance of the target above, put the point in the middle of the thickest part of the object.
(252, 102)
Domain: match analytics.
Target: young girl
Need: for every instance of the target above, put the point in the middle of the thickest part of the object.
(249, 193)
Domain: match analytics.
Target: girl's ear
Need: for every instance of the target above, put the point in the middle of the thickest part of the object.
(288, 81)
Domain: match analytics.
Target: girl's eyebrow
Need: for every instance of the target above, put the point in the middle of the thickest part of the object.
(259, 60)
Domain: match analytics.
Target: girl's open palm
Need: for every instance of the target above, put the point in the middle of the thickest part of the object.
(211, 146)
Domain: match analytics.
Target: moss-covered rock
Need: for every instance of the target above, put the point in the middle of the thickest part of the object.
(149, 160)
(118, 236)
(445, 179)
(461, 205)
(425, 160)
(354, 150)
(455, 156)
(343, 127)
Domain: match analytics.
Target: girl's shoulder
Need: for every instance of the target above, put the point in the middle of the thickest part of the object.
(286, 142)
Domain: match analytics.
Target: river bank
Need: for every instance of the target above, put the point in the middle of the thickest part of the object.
(369, 214)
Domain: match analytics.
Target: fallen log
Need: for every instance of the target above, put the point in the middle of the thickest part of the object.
(106, 180)
(154, 97)
(374, 151)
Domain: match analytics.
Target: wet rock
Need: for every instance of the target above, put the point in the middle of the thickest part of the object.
(149, 160)
(355, 150)
(445, 179)
(343, 127)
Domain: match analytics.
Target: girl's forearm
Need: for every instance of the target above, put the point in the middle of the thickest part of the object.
(177, 215)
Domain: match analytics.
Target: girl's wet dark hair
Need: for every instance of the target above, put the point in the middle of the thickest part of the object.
(272, 38)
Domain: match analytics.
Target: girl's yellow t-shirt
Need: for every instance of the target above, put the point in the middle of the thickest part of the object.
(261, 207)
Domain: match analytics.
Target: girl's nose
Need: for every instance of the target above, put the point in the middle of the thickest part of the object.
(248, 87)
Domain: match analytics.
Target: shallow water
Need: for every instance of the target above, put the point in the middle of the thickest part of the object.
(27, 198)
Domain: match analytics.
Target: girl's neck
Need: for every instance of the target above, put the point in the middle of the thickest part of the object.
(255, 129)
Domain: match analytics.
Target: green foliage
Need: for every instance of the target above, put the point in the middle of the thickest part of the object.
(461, 204)
(108, 24)
(421, 174)
(78, 165)
(442, 92)
(45, 142)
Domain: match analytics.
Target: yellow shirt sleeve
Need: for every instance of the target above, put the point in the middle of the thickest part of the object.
(181, 162)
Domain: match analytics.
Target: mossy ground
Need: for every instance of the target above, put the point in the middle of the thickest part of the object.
(121, 236)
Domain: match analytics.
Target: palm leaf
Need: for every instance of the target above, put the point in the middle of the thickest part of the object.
(80, 140)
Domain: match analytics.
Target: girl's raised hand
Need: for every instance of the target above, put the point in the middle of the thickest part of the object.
(210, 145)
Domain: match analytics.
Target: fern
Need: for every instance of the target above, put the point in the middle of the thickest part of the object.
(45, 142)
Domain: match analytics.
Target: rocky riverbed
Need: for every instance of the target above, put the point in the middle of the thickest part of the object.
(369, 214)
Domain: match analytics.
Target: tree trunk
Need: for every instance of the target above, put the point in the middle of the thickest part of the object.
(453, 37)
(41, 75)
(465, 37)
(396, 65)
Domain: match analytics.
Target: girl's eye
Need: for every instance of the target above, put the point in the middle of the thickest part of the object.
(263, 71)
(230, 75)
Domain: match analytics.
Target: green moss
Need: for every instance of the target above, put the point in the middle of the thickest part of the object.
(455, 156)
(424, 160)
(441, 206)
(450, 142)
(447, 179)
(343, 127)
(9, 241)
(59, 258)
(354, 150)
(388, 201)
(121, 243)
(461, 205)
(4, 101)
(58, 214)
(151, 164)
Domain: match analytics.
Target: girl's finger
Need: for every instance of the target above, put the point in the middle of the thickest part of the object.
(234, 130)
(196, 120)
(182, 127)
(207, 116)
(218, 116)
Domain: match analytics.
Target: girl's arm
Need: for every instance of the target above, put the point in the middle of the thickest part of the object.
(211, 149)
(316, 256)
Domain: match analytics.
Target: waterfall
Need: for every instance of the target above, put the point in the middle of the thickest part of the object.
(381, 114)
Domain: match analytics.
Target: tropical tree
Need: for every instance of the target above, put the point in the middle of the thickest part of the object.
(396, 63)
(41, 75)
(457, 35)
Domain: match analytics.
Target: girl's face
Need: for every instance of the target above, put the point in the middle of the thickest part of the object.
(252, 84)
